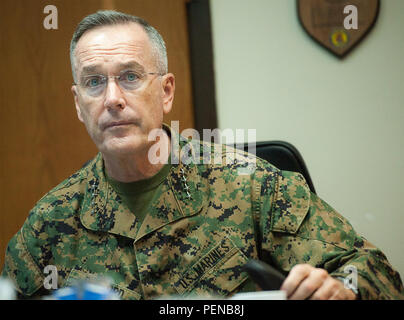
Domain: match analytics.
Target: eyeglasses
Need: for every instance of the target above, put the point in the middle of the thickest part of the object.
(95, 85)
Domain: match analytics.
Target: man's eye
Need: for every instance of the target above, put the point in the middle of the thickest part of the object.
(130, 76)
(93, 82)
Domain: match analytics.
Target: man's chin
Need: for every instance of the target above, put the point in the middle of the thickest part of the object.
(124, 146)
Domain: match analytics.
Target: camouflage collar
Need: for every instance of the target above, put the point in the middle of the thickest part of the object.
(182, 194)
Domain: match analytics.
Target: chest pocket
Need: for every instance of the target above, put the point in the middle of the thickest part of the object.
(291, 203)
(218, 272)
(78, 274)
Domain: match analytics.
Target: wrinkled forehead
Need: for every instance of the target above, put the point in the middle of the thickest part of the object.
(106, 48)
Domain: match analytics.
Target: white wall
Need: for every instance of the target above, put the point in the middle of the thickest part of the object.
(345, 117)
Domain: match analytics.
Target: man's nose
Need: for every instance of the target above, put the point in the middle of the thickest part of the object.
(114, 98)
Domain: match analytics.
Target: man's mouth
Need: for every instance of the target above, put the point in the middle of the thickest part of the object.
(116, 124)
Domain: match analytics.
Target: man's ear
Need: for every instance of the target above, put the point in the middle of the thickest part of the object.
(168, 85)
(76, 102)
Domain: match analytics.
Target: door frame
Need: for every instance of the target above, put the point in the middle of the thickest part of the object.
(202, 65)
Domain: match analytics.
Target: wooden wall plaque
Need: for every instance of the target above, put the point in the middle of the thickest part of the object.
(323, 20)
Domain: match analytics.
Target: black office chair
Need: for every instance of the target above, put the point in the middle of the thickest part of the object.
(282, 155)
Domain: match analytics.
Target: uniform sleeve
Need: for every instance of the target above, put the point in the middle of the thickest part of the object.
(298, 227)
(22, 254)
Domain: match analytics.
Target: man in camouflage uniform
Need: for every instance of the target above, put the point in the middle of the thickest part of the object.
(185, 227)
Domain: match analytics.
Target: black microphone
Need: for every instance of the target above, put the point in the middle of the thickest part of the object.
(264, 275)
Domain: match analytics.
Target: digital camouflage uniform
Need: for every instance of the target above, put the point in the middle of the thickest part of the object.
(204, 223)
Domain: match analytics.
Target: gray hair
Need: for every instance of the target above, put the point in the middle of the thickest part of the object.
(111, 17)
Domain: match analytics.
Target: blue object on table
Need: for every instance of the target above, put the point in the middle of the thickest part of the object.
(85, 291)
